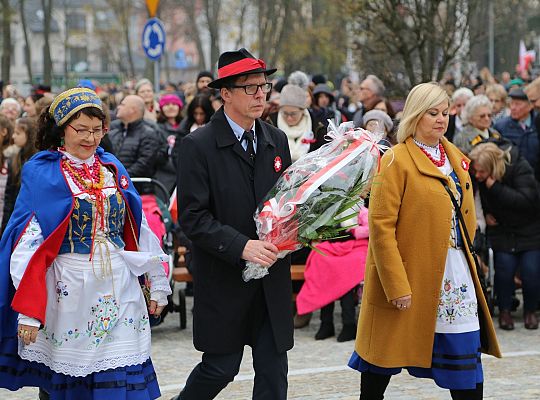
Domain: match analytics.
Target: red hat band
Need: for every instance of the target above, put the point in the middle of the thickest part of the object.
(240, 66)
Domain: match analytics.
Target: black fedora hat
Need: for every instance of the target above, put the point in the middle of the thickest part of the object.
(237, 63)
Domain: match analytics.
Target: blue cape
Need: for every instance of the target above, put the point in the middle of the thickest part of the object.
(45, 194)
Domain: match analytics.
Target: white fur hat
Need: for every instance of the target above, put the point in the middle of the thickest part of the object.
(292, 95)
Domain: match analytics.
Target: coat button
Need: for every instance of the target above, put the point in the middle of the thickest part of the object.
(466, 211)
(221, 247)
(467, 185)
(251, 177)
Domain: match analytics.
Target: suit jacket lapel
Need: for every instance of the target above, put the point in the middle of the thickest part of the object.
(225, 136)
(264, 161)
(263, 141)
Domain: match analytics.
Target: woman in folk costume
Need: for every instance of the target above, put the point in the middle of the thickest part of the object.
(422, 307)
(73, 318)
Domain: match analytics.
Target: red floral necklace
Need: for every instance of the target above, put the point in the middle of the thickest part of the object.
(438, 163)
(87, 179)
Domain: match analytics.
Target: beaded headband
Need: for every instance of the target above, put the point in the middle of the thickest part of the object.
(71, 101)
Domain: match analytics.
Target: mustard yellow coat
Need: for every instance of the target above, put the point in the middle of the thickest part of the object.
(409, 232)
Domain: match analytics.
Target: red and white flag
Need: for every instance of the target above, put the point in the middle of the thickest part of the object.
(526, 57)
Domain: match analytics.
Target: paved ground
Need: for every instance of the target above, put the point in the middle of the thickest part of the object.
(318, 371)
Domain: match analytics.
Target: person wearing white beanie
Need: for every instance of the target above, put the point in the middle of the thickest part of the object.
(382, 119)
(294, 119)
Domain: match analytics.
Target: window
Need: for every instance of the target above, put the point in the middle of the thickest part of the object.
(76, 21)
(104, 60)
(78, 57)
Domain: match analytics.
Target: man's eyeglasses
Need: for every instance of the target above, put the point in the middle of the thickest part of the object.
(253, 89)
(98, 133)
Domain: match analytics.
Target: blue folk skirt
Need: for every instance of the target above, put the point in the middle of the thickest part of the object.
(455, 363)
(135, 382)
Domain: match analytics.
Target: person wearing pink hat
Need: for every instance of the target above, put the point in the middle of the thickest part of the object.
(168, 121)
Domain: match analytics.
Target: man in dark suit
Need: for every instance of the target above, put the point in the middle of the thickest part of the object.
(225, 170)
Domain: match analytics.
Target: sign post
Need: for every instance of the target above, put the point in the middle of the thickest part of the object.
(153, 42)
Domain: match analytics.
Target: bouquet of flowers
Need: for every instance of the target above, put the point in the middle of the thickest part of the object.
(318, 192)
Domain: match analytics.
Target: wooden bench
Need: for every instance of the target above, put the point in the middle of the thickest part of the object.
(297, 272)
(181, 274)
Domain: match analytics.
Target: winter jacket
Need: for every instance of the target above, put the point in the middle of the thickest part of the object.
(470, 136)
(13, 186)
(515, 204)
(166, 173)
(139, 147)
(525, 139)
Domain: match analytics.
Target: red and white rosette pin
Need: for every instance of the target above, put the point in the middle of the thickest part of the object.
(465, 164)
(277, 164)
(124, 183)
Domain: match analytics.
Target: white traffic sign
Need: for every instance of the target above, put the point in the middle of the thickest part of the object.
(153, 39)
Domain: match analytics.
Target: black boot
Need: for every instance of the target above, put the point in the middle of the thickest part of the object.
(373, 386)
(348, 316)
(43, 395)
(325, 331)
(473, 394)
(347, 333)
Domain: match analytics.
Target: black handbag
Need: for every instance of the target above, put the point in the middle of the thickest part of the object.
(483, 333)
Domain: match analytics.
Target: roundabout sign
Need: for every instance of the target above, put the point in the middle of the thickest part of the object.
(153, 39)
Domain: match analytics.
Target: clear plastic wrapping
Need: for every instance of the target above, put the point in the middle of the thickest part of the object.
(316, 193)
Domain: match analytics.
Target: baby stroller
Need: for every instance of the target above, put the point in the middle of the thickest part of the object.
(487, 265)
(156, 211)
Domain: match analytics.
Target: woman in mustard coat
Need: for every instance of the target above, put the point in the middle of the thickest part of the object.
(422, 307)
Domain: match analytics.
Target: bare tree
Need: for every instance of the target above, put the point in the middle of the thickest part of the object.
(426, 35)
(122, 10)
(273, 23)
(322, 25)
(243, 6)
(27, 52)
(212, 11)
(6, 40)
(190, 7)
(47, 62)
(66, 42)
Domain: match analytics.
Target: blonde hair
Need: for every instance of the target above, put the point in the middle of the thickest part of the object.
(497, 90)
(421, 98)
(534, 86)
(491, 158)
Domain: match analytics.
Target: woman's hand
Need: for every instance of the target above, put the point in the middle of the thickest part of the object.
(490, 220)
(28, 333)
(154, 309)
(402, 303)
(489, 182)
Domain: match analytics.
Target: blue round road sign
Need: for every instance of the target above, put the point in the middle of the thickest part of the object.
(153, 39)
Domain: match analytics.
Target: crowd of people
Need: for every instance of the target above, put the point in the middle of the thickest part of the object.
(222, 142)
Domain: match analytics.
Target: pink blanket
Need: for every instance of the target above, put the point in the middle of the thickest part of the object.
(329, 277)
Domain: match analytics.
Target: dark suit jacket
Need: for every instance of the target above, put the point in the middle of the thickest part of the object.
(219, 188)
